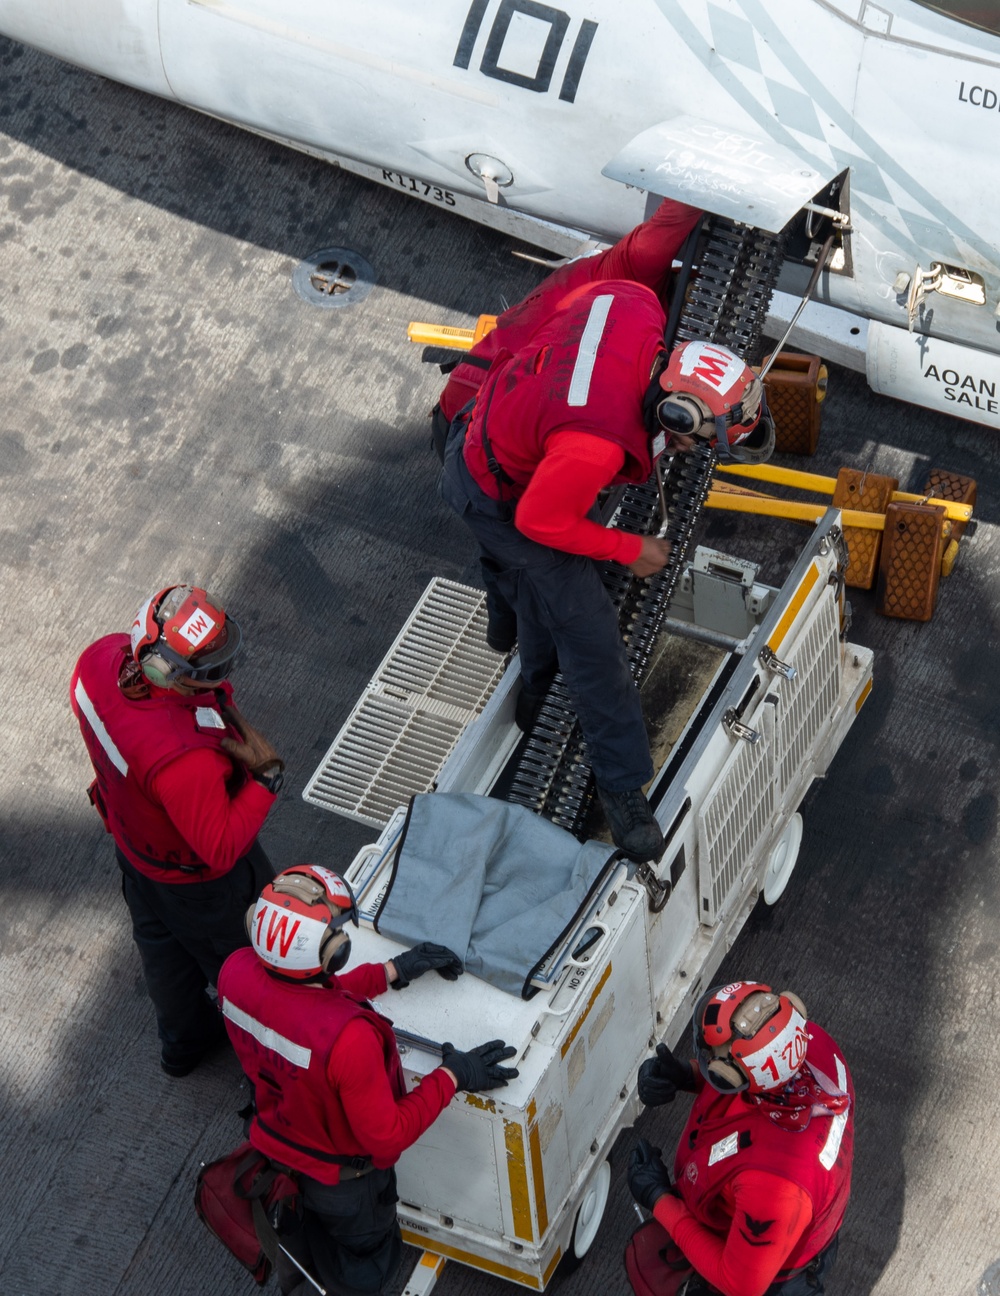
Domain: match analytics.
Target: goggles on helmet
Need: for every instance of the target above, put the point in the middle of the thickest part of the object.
(749, 1038)
(296, 926)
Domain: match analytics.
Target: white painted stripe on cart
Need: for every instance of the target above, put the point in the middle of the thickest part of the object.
(297, 1054)
(586, 356)
(97, 724)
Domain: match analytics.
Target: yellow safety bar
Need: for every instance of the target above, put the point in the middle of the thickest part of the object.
(794, 510)
(443, 335)
(827, 485)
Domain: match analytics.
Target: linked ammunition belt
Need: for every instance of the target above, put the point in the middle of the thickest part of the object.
(737, 267)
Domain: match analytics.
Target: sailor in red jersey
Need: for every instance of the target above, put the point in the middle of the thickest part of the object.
(330, 1100)
(586, 402)
(645, 255)
(183, 785)
(762, 1174)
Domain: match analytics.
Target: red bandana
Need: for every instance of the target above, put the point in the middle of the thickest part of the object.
(808, 1094)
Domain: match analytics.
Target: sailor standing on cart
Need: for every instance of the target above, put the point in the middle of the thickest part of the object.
(762, 1174)
(587, 401)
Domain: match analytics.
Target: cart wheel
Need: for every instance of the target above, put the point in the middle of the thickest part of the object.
(782, 859)
(588, 1219)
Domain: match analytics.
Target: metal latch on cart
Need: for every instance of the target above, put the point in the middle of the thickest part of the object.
(737, 729)
(657, 891)
(775, 665)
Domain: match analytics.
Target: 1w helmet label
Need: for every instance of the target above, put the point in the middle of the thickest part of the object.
(197, 628)
(713, 365)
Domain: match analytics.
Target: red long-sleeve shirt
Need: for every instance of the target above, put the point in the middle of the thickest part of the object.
(552, 511)
(384, 1125)
(644, 255)
(747, 1259)
(219, 827)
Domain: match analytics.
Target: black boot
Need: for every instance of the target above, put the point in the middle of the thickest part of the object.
(633, 828)
(526, 709)
(501, 631)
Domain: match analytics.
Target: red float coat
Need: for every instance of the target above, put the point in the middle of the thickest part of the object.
(585, 370)
(147, 754)
(757, 1198)
(327, 1078)
(645, 255)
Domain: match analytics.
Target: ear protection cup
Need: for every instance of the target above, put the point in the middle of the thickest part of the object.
(335, 951)
(795, 1001)
(248, 920)
(684, 414)
(157, 670)
(725, 1075)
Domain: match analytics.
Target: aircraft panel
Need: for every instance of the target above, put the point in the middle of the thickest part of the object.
(710, 166)
(921, 134)
(115, 37)
(419, 92)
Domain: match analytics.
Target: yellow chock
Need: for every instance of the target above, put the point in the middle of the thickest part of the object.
(444, 335)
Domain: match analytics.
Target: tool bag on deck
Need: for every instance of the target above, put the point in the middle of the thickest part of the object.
(243, 1199)
(655, 1265)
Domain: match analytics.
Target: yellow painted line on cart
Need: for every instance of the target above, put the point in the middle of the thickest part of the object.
(475, 1261)
(517, 1175)
(538, 1178)
(862, 697)
(431, 1261)
(794, 607)
(568, 1041)
(551, 1266)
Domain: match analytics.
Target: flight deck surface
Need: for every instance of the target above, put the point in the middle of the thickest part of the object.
(170, 409)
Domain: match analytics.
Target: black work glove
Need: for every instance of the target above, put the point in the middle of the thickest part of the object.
(415, 962)
(660, 1077)
(480, 1068)
(648, 1177)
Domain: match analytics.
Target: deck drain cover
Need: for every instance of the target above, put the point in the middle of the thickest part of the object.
(333, 277)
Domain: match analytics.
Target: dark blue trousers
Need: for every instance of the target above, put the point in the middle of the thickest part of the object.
(565, 621)
(184, 934)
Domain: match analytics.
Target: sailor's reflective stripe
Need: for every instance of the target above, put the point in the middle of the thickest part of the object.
(100, 733)
(586, 356)
(831, 1148)
(297, 1054)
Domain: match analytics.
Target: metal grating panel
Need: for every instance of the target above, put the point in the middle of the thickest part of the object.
(736, 816)
(808, 701)
(434, 680)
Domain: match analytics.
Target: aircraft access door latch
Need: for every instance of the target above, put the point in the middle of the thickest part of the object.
(950, 281)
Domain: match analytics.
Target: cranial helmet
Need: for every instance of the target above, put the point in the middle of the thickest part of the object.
(297, 926)
(182, 633)
(707, 391)
(748, 1037)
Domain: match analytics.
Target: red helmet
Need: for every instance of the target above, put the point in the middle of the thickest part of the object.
(296, 927)
(748, 1037)
(711, 393)
(182, 633)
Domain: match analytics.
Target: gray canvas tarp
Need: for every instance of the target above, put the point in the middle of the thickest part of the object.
(494, 882)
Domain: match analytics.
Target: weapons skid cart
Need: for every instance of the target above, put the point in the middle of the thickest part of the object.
(515, 1181)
